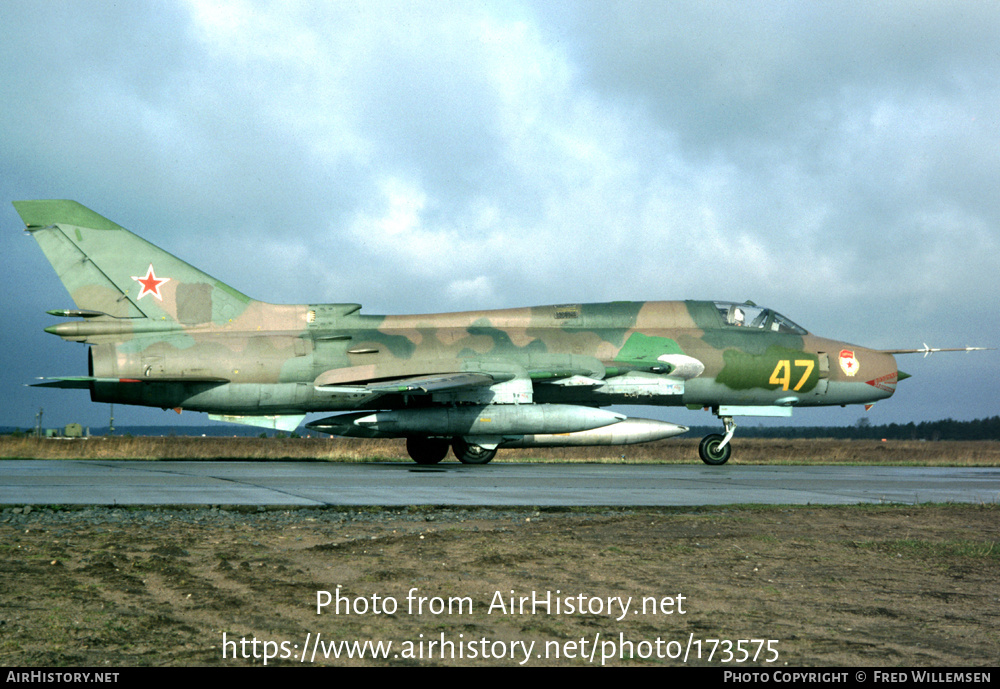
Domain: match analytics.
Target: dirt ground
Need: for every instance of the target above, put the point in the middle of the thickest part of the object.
(797, 586)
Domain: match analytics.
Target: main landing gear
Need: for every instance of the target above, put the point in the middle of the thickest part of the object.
(469, 453)
(433, 450)
(426, 450)
(715, 448)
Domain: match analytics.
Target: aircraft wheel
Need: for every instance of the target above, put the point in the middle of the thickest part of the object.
(469, 453)
(710, 451)
(426, 450)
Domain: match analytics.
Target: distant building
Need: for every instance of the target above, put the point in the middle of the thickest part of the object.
(72, 430)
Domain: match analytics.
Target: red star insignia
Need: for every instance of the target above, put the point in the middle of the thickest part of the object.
(150, 284)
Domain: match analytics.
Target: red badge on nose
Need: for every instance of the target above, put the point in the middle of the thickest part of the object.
(848, 362)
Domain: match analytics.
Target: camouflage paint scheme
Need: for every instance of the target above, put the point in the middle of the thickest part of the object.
(164, 334)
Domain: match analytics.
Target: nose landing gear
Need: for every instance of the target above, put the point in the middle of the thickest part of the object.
(715, 448)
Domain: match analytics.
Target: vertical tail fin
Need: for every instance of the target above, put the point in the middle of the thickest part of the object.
(106, 268)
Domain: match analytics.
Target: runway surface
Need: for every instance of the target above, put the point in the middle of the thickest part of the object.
(314, 483)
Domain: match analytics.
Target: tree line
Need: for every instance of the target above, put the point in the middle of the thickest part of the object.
(947, 429)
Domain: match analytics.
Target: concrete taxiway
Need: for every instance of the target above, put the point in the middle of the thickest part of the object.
(95, 482)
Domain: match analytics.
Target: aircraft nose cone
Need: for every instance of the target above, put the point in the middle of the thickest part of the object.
(881, 374)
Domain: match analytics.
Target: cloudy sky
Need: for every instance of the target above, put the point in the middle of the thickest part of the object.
(838, 162)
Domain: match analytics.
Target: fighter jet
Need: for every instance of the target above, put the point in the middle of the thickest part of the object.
(161, 333)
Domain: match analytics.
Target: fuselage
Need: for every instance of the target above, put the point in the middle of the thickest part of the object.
(692, 353)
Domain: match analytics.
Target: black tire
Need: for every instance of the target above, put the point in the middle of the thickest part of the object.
(469, 453)
(426, 450)
(710, 451)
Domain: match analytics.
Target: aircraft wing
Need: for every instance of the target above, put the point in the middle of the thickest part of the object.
(413, 385)
(433, 383)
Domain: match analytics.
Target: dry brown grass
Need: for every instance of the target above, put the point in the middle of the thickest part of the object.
(183, 447)
(683, 451)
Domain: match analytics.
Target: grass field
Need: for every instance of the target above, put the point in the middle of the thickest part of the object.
(678, 451)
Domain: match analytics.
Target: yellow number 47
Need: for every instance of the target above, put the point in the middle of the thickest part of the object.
(782, 375)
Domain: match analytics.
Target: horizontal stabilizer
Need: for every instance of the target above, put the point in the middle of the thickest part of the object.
(68, 383)
(83, 382)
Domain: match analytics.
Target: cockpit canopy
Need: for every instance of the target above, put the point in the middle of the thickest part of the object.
(749, 315)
